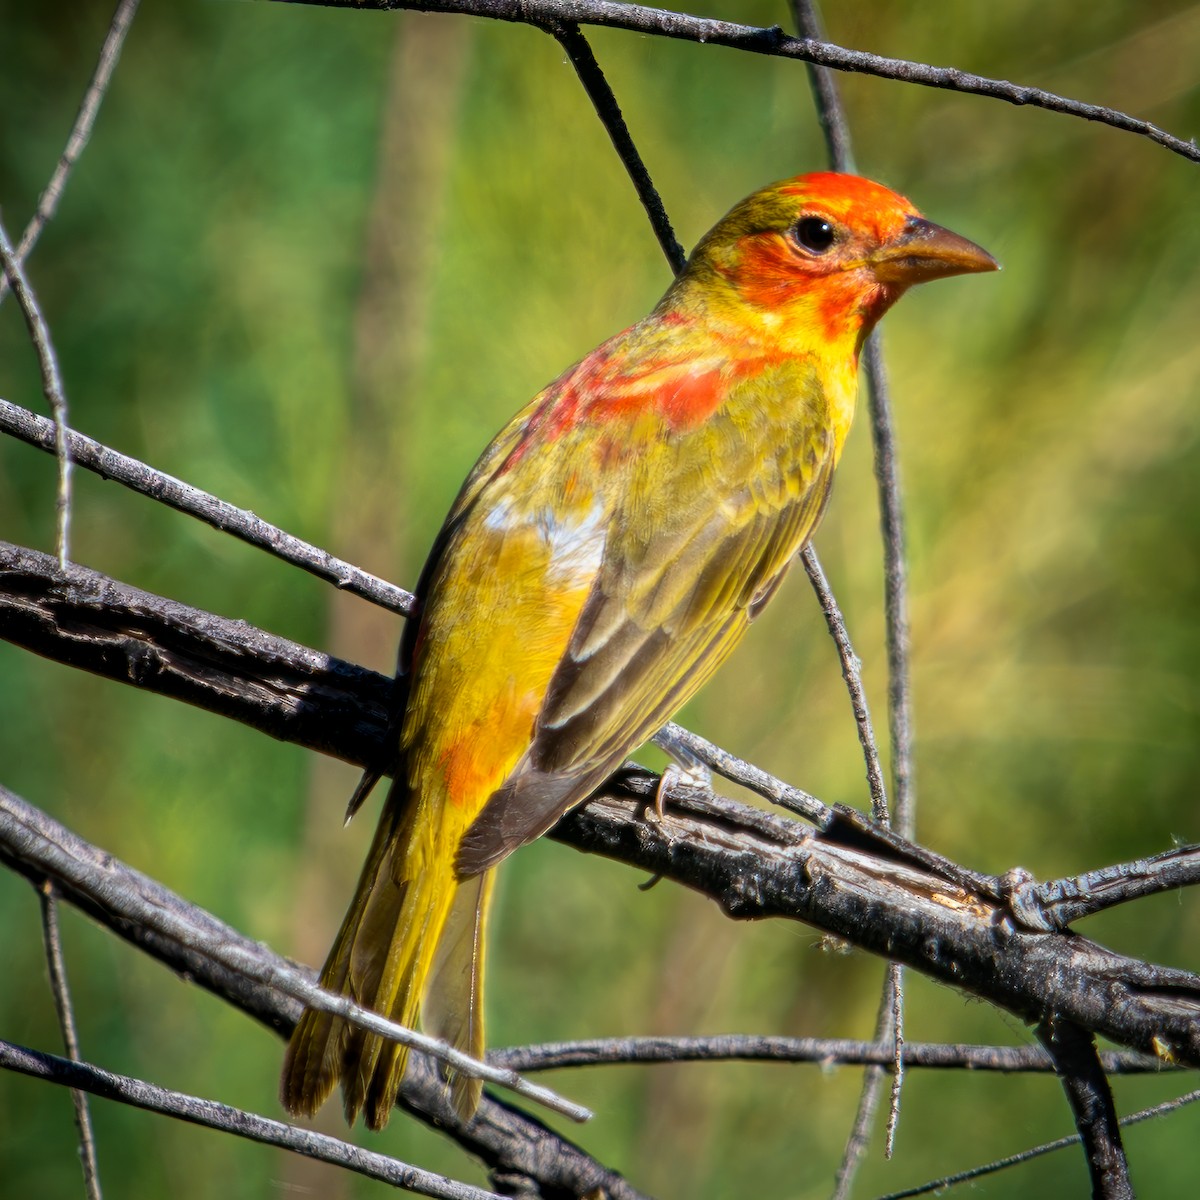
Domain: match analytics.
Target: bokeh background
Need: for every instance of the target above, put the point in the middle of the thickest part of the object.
(313, 259)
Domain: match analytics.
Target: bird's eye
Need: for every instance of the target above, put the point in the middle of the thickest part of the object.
(814, 234)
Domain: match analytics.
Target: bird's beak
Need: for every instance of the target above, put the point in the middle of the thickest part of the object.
(924, 251)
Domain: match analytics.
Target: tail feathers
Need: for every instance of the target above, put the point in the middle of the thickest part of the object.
(402, 937)
(315, 1054)
(454, 1006)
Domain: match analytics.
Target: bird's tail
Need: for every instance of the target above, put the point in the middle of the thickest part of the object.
(414, 928)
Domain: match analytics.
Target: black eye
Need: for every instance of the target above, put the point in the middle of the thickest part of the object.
(814, 234)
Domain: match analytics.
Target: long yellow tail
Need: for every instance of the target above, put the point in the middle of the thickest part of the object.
(413, 930)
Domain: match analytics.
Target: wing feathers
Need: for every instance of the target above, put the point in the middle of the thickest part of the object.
(674, 591)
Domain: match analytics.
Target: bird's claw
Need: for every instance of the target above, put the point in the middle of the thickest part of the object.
(693, 774)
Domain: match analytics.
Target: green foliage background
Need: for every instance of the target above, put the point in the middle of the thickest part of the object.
(205, 284)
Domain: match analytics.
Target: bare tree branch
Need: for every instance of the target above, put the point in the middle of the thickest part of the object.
(609, 111)
(174, 493)
(227, 667)
(742, 1047)
(947, 1181)
(66, 1019)
(81, 132)
(831, 116)
(84, 1077)
(773, 41)
(248, 974)
(1078, 1067)
(895, 584)
(852, 674)
(853, 880)
(52, 386)
(76, 864)
(1065, 901)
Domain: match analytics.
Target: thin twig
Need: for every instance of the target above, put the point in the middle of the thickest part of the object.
(947, 1181)
(831, 115)
(66, 1020)
(141, 1094)
(859, 1137)
(895, 585)
(52, 388)
(742, 1047)
(81, 131)
(771, 40)
(609, 111)
(894, 991)
(184, 498)
(852, 674)
(737, 770)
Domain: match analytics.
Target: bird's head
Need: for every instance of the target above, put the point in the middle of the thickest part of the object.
(818, 259)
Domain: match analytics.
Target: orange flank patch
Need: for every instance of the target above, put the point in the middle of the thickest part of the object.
(470, 766)
(513, 617)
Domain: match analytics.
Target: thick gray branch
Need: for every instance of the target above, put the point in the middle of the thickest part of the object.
(293, 693)
(865, 885)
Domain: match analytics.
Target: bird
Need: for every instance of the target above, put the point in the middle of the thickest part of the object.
(606, 553)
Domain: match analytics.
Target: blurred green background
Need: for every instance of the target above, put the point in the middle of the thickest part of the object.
(313, 259)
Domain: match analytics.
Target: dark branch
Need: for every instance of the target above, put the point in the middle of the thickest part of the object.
(57, 968)
(852, 674)
(758, 865)
(83, 1077)
(1090, 1097)
(895, 583)
(174, 493)
(831, 116)
(938, 1186)
(609, 112)
(52, 385)
(206, 951)
(1068, 900)
(228, 667)
(860, 883)
(773, 41)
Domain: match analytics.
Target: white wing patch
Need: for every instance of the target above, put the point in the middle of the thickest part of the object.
(574, 541)
(576, 544)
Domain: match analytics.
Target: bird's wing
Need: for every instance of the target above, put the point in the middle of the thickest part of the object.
(700, 539)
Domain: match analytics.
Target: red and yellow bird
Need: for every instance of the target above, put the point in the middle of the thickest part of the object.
(605, 555)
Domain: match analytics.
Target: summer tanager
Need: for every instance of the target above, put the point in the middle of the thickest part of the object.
(604, 556)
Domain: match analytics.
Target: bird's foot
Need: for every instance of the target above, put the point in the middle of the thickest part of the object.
(684, 770)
